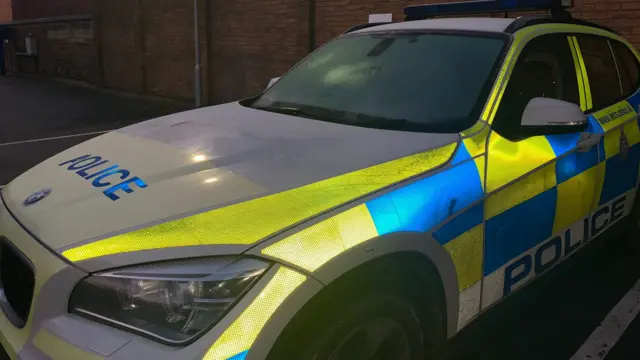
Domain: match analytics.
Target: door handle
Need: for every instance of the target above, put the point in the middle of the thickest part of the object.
(587, 141)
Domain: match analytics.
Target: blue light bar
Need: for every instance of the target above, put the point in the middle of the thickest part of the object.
(482, 7)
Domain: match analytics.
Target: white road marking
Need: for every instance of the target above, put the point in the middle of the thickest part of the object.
(54, 138)
(611, 328)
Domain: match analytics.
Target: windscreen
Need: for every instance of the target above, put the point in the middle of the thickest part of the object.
(432, 82)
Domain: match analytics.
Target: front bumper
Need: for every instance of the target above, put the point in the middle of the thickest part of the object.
(248, 330)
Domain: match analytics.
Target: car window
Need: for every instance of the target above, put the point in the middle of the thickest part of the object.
(627, 66)
(601, 70)
(545, 68)
(431, 82)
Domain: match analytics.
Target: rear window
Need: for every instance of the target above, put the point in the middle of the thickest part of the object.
(412, 81)
(601, 70)
(628, 67)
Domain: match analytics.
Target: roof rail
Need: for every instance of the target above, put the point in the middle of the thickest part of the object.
(526, 21)
(418, 12)
(364, 26)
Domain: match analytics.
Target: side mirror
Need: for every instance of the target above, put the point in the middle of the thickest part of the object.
(271, 82)
(556, 116)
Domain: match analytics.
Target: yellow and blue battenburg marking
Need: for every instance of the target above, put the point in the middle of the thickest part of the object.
(578, 177)
(621, 169)
(511, 232)
(416, 207)
(454, 194)
(426, 203)
(582, 181)
(520, 182)
(543, 177)
(240, 356)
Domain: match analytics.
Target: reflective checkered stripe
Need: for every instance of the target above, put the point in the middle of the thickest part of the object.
(620, 165)
(543, 178)
(449, 191)
(546, 178)
(496, 200)
(487, 200)
(448, 203)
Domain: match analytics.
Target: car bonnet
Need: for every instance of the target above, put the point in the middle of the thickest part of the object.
(220, 175)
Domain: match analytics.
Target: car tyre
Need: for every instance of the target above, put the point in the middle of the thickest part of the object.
(380, 326)
(373, 313)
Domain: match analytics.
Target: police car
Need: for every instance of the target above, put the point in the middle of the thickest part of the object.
(376, 199)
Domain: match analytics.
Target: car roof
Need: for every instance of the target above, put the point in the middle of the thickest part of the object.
(467, 23)
(505, 25)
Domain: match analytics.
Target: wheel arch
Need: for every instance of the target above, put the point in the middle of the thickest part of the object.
(420, 245)
(394, 246)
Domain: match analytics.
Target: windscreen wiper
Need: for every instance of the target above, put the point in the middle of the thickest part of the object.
(303, 112)
(378, 122)
(345, 118)
(288, 110)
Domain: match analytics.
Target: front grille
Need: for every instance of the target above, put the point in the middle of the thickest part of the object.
(17, 280)
(3, 354)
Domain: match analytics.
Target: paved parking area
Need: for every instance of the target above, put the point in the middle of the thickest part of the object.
(556, 317)
(63, 115)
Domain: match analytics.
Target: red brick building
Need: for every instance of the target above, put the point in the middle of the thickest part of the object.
(6, 11)
(147, 46)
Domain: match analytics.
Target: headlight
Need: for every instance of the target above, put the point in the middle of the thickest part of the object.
(171, 302)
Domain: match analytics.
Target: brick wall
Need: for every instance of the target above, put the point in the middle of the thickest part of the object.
(120, 44)
(146, 46)
(248, 37)
(65, 50)
(622, 15)
(168, 47)
(334, 16)
(252, 42)
(6, 12)
(31, 9)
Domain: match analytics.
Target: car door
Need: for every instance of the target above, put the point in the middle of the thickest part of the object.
(611, 72)
(539, 186)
